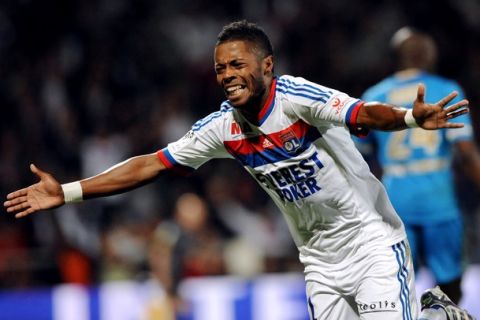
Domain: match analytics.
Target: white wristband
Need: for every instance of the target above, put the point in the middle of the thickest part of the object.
(410, 119)
(72, 192)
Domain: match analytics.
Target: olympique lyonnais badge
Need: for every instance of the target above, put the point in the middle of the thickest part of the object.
(290, 142)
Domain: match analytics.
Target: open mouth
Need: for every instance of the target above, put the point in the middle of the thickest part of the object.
(235, 90)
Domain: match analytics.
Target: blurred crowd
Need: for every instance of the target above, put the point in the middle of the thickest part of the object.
(86, 84)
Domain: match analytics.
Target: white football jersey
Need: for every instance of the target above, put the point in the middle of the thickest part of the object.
(302, 155)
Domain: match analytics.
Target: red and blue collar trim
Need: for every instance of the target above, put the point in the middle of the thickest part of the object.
(269, 104)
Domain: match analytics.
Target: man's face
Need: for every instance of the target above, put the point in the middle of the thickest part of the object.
(242, 72)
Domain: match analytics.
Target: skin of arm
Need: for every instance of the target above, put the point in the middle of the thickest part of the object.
(381, 116)
(125, 176)
(137, 171)
(386, 117)
(48, 193)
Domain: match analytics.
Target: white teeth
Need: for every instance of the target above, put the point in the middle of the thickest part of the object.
(232, 89)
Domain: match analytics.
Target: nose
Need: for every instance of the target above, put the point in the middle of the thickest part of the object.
(229, 74)
(228, 79)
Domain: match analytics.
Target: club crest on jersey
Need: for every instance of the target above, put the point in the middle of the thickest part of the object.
(290, 142)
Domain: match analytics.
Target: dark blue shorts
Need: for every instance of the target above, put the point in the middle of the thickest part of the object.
(439, 246)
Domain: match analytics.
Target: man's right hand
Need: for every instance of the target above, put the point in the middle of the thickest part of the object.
(46, 194)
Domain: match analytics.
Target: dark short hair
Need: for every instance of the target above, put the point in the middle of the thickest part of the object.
(246, 31)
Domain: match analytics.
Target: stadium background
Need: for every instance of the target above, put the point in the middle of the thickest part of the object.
(85, 84)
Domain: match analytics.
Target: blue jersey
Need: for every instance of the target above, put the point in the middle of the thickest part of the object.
(416, 163)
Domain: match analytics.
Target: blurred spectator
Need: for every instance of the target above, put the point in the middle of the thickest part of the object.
(261, 240)
(165, 302)
(124, 251)
(14, 258)
(199, 249)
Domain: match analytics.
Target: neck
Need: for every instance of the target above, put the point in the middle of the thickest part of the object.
(408, 72)
(253, 110)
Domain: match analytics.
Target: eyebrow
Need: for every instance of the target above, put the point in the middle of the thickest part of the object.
(230, 62)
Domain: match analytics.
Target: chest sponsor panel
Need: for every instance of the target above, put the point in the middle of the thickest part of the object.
(293, 182)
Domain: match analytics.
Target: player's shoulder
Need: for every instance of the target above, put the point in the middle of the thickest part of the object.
(215, 120)
(438, 86)
(300, 89)
(440, 80)
(288, 81)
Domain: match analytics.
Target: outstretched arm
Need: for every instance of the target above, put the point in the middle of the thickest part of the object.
(49, 194)
(382, 116)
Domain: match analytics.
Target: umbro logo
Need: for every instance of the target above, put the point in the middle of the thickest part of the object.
(235, 128)
(241, 128)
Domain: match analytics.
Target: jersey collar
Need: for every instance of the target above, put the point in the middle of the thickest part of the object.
(268, 106)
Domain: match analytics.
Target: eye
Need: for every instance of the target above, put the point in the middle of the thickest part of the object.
(219, 69)
(238, 65)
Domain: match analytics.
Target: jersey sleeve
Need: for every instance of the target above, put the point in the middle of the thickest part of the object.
(192, 150)
(318, 105)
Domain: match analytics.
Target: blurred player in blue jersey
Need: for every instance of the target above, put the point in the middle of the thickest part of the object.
(293, 137)
(416, 163)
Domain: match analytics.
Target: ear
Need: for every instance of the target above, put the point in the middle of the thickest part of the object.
(268, 65)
